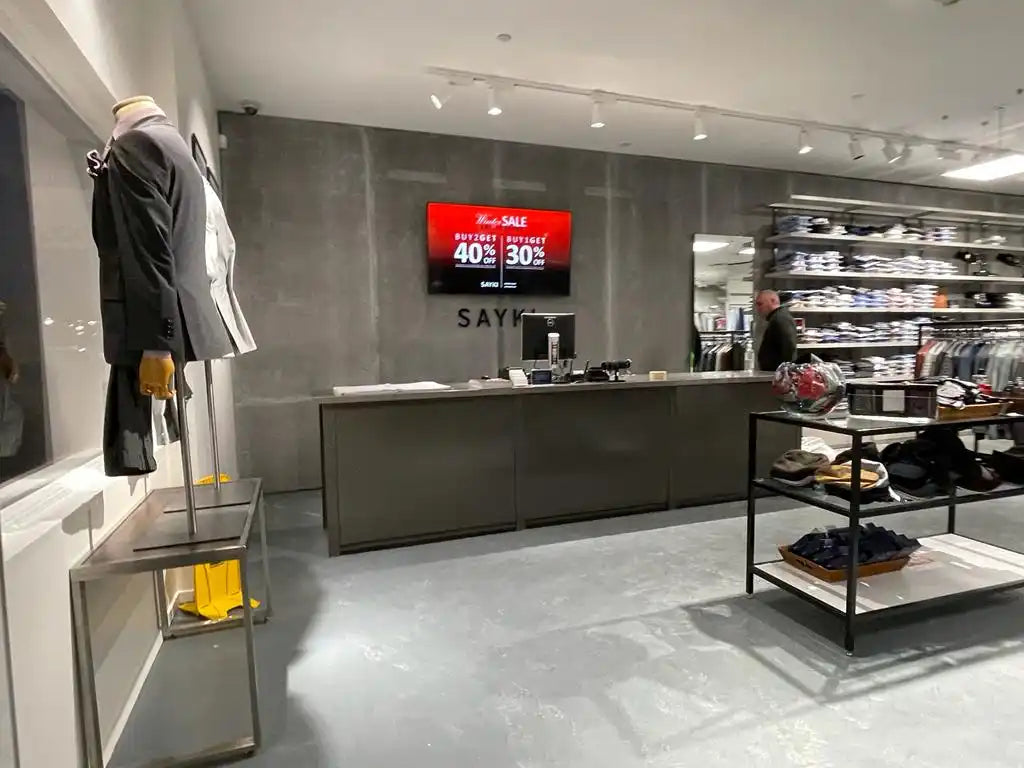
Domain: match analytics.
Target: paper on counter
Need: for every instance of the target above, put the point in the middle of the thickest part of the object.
(374, 389)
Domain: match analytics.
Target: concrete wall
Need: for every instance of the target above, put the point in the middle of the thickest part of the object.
(330, 223)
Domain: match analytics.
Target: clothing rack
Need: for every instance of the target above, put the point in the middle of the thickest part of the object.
(709, 339)
(965, 328)
(992, 348)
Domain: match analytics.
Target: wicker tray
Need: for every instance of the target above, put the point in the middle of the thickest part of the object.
(982, 411)
(871, 569)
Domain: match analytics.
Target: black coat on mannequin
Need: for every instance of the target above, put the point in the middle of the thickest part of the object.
(149, 225)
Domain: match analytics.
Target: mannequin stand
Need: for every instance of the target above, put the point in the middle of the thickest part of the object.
(175, 530)
(219, 494)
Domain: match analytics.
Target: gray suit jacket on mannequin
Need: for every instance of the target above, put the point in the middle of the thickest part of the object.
(149, 224)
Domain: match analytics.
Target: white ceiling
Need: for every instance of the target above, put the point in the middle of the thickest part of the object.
(914, 61)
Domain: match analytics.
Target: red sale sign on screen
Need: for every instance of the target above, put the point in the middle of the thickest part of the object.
(486, 249)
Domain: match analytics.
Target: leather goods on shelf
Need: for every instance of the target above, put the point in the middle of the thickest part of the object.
(843, 474)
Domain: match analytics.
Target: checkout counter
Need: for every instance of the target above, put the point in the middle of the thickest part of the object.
(401, 467)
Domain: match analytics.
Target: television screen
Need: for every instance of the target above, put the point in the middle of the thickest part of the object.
(486, 249)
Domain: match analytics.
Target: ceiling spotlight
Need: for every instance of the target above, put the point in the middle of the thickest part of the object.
(699, 131)
(441, 95)
(891, 153)
(493, 107)
(947, 153)
(597, 112)
(804, 145)
(856, 148)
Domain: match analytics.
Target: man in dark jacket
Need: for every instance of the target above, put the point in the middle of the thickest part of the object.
(778, 344)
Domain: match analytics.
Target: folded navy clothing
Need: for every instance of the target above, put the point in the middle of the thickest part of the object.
(831, 548)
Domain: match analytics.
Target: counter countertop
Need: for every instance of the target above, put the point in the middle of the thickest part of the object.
(464, 389)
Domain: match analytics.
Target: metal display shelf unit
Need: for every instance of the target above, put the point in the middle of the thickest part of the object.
(874, 310)
(810, 237)
(896, 277)
(226, 531)
(873, 208)
(949, 567)
(855, 345)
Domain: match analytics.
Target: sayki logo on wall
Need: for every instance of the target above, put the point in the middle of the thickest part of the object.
(482, 317)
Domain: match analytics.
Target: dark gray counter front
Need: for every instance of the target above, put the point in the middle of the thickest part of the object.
(405, 467)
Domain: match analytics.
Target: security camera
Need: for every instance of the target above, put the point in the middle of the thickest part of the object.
(250, 107)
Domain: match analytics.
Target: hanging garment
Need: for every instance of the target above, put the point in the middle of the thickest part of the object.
(220, 268)
(127, 425)
(1001, 362)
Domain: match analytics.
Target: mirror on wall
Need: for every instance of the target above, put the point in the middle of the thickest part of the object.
(723, 301)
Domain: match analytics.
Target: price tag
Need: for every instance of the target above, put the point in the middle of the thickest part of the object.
(893, 401)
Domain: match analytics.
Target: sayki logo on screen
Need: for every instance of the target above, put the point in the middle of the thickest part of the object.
(516, 222)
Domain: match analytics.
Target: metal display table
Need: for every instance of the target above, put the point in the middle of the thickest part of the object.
(225, 534)
(949, 567)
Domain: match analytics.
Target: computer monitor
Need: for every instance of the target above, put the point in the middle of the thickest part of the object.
(537, 326)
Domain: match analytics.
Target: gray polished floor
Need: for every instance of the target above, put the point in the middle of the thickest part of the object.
(610, 644)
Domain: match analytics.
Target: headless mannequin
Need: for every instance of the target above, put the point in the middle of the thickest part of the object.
(156, 369)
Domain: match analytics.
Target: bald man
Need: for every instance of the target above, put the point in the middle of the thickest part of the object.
(778, 344)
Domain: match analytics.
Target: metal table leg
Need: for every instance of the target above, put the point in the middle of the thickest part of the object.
(265, 549)
(160, 595)
(250, 649)
(88, 705)
(853, 565)
(751, 500)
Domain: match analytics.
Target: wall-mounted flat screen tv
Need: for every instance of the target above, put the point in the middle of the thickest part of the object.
(482, 249)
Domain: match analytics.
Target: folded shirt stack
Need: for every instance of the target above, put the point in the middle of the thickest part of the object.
(792, 225)
(870, 262)
(991, 240)
(1013, 300)
(944, 234)
(919, 296)
(871, 367)
(913, 264)
(877, 367)
(808, 261)
(832, 261)
(847, 368)
(905, 331)
(902, 232)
